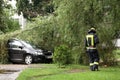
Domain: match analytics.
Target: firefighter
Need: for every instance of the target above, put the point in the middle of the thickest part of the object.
(91, 42)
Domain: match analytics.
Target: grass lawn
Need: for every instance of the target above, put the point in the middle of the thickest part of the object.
(71, 72)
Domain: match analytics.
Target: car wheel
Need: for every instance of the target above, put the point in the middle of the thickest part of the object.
(28, 59)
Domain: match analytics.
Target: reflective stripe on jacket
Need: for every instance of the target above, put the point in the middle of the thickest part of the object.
(90, 40)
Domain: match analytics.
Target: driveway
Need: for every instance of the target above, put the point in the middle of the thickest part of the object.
(11, 71)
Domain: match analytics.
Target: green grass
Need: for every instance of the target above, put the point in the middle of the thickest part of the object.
(71, 72)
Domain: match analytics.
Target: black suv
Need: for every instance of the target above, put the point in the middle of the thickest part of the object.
(21, 51)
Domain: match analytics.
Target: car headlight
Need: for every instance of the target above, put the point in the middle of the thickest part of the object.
(38, 53)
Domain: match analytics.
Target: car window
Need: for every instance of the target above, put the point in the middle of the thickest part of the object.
(15, 44)
(27, 44)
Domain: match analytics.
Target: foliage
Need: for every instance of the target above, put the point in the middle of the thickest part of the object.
(3, 52)
(40, 35)
(69, 24)
(75, 17)
(62, 55)
(2, 23)
(35, 8)
(11, 25)
(6, 23)
(3, 45)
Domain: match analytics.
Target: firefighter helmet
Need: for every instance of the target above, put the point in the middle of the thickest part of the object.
(92, 30)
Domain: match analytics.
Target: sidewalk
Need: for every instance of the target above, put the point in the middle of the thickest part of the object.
(12, 71)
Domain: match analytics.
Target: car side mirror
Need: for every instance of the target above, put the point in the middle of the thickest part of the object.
(21, 47)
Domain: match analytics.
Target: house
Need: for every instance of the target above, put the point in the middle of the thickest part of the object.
(15, 16)
(117, 43)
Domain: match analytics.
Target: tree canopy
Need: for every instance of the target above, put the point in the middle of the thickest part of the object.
(2, 25)
(69, 25)
(34, 8)
(7, 24)
(69, 22)
(76, 17)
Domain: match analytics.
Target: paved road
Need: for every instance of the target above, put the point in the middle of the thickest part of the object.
(12, 71)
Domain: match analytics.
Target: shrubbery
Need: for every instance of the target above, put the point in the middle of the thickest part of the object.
(3, 45)
(62, 55)
(11, 25)
(3, 52)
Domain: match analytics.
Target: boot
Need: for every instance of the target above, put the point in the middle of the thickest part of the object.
(92, 68)
(95, 67)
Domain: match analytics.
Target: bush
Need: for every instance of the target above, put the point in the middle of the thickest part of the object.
(3, 45)
(3, 52)
(11, 25)
(62, 55)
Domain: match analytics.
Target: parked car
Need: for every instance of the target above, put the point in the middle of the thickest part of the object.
(21, 51)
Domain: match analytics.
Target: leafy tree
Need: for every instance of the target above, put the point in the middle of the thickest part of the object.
(70, 23)
(6, 23)
(37, 7)
(2, 23)
(76, 17)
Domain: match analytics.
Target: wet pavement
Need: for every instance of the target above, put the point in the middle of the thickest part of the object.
(11, 71)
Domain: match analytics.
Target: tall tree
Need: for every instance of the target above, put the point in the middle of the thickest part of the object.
(35, 8)
(71, 21)
(76, 17)
(2, 23)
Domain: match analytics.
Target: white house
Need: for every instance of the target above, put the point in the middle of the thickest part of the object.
(20, 18)
(13, 3)
(117, 43)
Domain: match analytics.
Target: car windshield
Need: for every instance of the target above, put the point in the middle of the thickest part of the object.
(27, 44)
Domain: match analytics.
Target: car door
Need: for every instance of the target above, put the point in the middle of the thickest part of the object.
(15, 50)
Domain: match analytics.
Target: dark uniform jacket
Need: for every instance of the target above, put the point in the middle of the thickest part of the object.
(91, 40)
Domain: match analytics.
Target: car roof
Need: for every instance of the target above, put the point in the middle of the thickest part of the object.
(13, 39)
